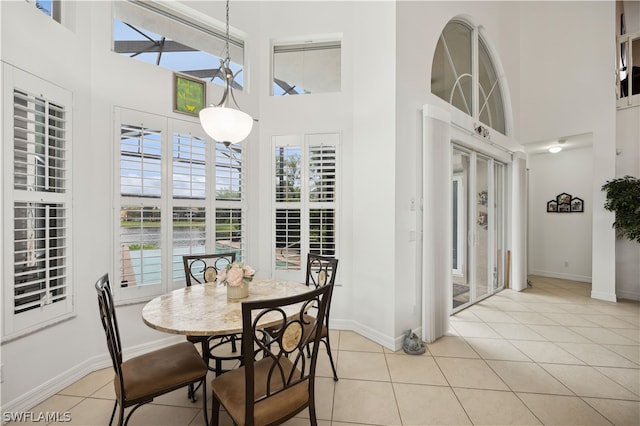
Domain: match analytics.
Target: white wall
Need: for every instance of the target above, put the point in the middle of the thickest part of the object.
(74, 343)
(420, 25)
(568, 86)
(628, 163)
(374, 171)
(556, 238)
(102, 80)
(363, 113)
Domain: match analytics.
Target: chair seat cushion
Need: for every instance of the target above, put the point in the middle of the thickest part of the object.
(308, 320)
(230, 391)
(197, 339)
(151, 374)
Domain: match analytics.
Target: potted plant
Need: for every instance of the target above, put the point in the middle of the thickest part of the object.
(623, 198)
(236, 276)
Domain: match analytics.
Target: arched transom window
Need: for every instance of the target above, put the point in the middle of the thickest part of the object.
(464, 74)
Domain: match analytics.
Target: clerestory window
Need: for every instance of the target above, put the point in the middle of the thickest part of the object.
(629, 65)
(306, 67)
(464, 74)
(51, 8)
(628, 53)
(173, 37)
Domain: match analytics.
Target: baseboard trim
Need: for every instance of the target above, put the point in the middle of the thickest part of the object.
(607, 297)
(51, 387)
(371, 334)
(629, 295)
(571, 277)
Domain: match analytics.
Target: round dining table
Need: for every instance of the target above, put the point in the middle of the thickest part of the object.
(205, 309)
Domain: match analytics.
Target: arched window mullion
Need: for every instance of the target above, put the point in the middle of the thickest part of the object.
(466, 73)
(459, 86)
(493, 105)
(475, 84)
(455, 73)
(486, 101)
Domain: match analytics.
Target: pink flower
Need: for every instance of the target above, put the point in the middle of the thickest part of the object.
(235, 274)
(234, 277)
(249, 272)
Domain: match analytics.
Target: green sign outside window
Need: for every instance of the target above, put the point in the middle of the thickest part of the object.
(189, 95)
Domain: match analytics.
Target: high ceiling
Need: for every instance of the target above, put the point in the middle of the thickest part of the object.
(584, 140)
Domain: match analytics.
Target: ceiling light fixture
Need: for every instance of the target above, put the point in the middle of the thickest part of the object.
(555, 149)
(221, 121)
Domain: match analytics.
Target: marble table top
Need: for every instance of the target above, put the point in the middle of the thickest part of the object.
(204, 310)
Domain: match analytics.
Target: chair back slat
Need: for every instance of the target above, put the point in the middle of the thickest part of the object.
(203, 268)
(110, 324)
(321, 270)
(280, 352)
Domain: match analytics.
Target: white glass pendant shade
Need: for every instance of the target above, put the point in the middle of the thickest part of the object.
(223, 124)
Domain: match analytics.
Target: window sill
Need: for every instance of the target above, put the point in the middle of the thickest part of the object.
(36, 328)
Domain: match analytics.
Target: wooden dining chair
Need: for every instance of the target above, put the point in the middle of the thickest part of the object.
(140, 379)
(278, 382)
(321, 271)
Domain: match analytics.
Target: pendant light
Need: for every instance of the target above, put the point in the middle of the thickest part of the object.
(222, 122)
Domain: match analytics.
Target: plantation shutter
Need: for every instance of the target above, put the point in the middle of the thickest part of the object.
(306, 199)
(40, 242)
(229, 200)
(189, 166)
(38, 285)
(190, 189)
(141, 209)
(322, 194)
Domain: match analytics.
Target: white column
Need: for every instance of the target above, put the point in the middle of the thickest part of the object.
(436, 223)
(519, 196)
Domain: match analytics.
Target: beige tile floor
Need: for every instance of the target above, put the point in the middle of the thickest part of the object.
(549, 355)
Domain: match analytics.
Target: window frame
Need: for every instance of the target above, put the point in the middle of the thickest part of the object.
(305, 204)
(56, 10)
(236, 207)
(170, 128)
(208, 36)
(628, 40)
(184, 129)
(136, 294)
(479, 43)
(303, 45)
(18, 324)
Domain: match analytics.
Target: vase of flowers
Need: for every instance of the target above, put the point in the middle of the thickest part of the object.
(236, 276)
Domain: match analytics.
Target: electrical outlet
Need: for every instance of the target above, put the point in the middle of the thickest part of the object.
(566, 263)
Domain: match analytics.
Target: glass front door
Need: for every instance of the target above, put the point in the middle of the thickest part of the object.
(478, 227)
